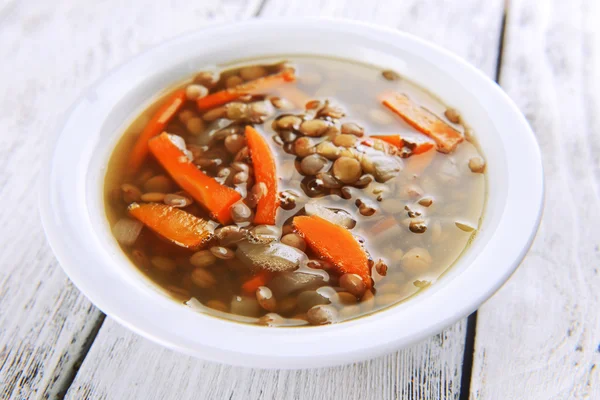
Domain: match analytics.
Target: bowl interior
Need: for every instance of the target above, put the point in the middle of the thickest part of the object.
(79, 233)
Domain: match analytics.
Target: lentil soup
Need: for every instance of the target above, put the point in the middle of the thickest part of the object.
(301, 192)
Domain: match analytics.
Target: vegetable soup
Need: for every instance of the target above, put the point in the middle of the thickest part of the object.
(300, 192)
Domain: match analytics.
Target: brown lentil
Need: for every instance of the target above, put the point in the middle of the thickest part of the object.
(265, 298)
(345, 140)
(314, 127)
(353, 283)
(321, 315)
(304, 146)
(240, 212)
(131, 193)
(215, 113)
(163, 264)
(207, 79)
(253, 72)
(381, 267)
(153, 197)
(287, 122)
(222, 252)
(195, 91)
(202, 278)
(160, 184)
(202, 259)
(294, 240)
(477, 165)
(312, 164)
(390, 75)
(233, 81)
(347, 169)
(452, 115)
(328, 150)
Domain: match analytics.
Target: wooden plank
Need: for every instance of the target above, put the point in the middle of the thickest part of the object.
(123, 365)
(51, 52)
(538, 338)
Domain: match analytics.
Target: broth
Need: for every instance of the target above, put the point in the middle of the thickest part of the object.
(411, 209)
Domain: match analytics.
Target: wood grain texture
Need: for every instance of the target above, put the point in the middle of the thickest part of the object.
(51, 52)
(539, 337)
(120, 364)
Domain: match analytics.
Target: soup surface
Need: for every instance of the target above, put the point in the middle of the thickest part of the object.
(300, 192)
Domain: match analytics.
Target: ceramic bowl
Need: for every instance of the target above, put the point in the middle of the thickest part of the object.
(72, 205)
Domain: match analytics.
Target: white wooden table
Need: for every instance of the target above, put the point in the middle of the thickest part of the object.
(537, 338)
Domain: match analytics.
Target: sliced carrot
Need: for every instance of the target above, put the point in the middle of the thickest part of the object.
(445, 136)
(335, 244)
(178, 226)
(157, 124)
(209, 193)
(422, 147)
(395, 140)
(260, 279)
(265, 172)
(255, 86)
(417, 163)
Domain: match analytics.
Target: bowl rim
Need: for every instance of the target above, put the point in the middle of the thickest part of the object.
(445, 307)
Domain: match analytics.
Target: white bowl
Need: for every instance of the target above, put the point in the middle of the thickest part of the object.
(73, 214)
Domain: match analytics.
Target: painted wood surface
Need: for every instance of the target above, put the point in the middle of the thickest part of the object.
(536, 339)
(539, 337)
(120, 364)
(50, 52)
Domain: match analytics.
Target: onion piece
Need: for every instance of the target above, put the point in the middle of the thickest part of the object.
(127, 230)
(289, 282)
(338, 217)
(273, 256)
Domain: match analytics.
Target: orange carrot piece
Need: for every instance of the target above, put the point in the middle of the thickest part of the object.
(260, 279)
(178, 226)
(397, 141)
(265, 172)
(445, 136)
(417, 163)
(157, 124)
(335, 244)
(209, 193)
(394, 140)
(255, 86)
(422, 147)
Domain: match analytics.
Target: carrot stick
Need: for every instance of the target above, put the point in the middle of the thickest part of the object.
(445, 136)
(265, 172)
(257, 85)
(422, 147)
(213, 196)
(394, 140)
(260, 279)
(397, 141)
(156, 125)
(178, 226)
(335, 244)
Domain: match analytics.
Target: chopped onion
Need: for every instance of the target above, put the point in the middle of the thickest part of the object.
(263, 234)
(127, 230)
(273, 256)
(290, 282)
(339, 217)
